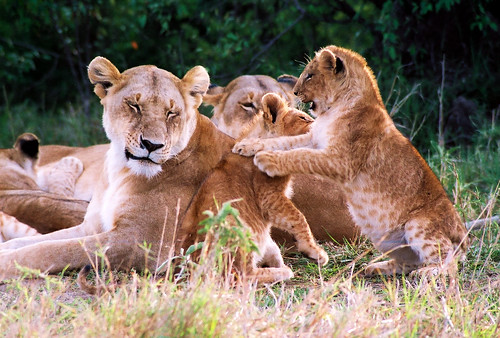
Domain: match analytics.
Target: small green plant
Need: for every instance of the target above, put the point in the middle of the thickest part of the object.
(226, 238)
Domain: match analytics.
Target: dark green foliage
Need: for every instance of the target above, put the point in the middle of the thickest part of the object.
(45, 47)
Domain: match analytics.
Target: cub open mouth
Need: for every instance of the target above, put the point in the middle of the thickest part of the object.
(130, 156)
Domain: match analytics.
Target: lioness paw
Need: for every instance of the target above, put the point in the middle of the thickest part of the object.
(267, 162)
(248, 147)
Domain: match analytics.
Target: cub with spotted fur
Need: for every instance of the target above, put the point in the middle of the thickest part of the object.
(392, 194)
(263, 199)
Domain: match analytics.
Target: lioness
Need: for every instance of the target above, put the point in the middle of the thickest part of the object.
(22, 197)
(263, 201)
(161, 150)
(236, 107)
(392, 194)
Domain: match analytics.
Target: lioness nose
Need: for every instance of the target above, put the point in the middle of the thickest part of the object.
(296, 93)
(150, 146)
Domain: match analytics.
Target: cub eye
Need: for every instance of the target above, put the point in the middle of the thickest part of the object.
(309, 76)
(304, 118)
(135, 107)
(172, 114)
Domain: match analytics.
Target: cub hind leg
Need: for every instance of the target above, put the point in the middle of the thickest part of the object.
(268, 268)
(284, 215)
(422, 249)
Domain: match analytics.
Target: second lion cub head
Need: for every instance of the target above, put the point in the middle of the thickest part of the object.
(278, 119)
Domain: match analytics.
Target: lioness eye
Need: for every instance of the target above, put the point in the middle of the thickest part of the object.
(309, 76)
(135, 107)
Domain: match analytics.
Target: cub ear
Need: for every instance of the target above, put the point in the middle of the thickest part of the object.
(28, 145)
(214, 95)
(103, 74)
(272, 105)
(196, 82)
(329, 62)
(287, 81)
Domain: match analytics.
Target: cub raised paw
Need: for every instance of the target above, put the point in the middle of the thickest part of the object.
(268, 162)
(248, 147)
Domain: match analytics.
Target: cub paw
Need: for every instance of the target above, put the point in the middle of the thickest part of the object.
(248, 147)
(315, 252)
(386, 268)
(267, 162)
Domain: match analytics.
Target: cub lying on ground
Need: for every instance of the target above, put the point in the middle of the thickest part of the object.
(46, 207)
(236, 106)
(161, 151)
(392, 194)
(264, 203)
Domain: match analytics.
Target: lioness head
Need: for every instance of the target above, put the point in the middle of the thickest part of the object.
(149, 113)
(278, 119)
(335, 76)
(19, 161)
(238, 104)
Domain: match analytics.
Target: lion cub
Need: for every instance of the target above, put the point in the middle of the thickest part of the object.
(392, 194)
(264, 202)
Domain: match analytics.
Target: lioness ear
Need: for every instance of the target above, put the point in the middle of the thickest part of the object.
(214, 95)
(287, 81)
(196, 82)
(103, 74)
(329, 62)
(28, 145)
(272, 104)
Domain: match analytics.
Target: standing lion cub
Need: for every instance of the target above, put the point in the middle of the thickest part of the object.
(261, 200)
(392, 194)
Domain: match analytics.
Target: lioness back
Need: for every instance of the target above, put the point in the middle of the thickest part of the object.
(391, 192)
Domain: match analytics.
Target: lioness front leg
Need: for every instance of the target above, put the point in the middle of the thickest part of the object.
(249, 147)
(120, 251)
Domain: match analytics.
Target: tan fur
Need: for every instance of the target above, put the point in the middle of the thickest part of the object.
(21, 196)
(91, 157)
(237, 107)
(392, 193)
(263, 201)
(160, 144)
(11, 228)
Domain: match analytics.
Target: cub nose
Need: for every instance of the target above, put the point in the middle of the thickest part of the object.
(150, 146)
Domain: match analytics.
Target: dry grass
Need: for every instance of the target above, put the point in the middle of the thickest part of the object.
(332, 302)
